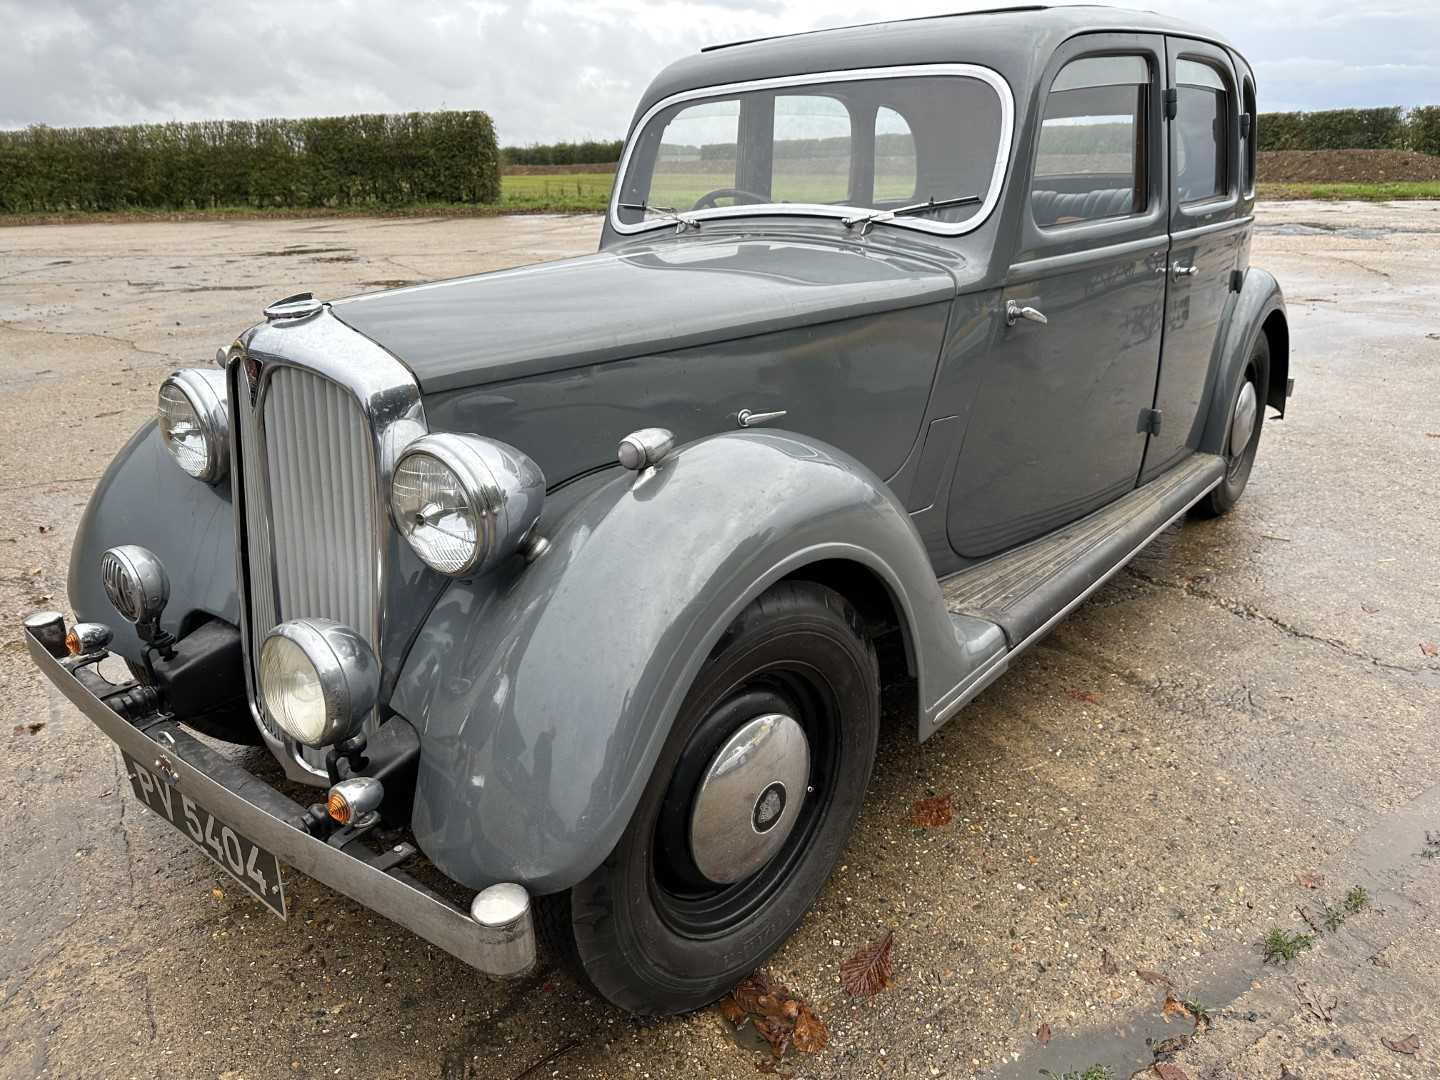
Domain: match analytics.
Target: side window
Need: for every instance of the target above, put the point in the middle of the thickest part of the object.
(1202, 126)
(895, 173)
(697, 153)
(811, 161)
(1249, 140)
(1091, 157)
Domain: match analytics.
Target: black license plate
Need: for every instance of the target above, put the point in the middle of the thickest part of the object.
(246, 861)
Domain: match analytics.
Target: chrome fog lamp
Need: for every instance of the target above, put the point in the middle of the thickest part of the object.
(465, 502)
(319, 680)
(135, 582)
(194, 425)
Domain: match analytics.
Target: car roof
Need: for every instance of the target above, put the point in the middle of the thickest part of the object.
(1016, 42)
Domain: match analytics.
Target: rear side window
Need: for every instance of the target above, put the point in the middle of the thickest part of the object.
(1202, 126)
(811, 149)
(1090, 162)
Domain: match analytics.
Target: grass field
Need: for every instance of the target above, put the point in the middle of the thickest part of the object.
(1401, 189)
(589, 193)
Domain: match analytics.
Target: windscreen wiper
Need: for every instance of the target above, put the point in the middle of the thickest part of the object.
(682, 221)
(867, 221)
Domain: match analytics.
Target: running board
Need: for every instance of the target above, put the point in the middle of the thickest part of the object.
(1028, 590)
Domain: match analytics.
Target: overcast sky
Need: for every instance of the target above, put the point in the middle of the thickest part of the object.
(565, 69)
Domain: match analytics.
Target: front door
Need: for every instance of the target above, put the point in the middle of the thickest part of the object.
(1058, 427)
(1208, 231)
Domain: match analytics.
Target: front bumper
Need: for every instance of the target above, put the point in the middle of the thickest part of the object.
(505, 950)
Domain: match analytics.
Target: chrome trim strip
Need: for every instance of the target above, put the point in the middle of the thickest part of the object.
(252, 806)
(1051, 264)
(388, 398)
(992, 78)
(1213, 227)
(987, 673)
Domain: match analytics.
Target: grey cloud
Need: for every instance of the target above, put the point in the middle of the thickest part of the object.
(548, 70)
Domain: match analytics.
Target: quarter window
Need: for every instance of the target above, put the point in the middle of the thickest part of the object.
(1090, 162)
(1202, 126)
(894, 158)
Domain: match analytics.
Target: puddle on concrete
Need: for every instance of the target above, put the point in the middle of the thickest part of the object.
(1382, 859)
(1351, 232)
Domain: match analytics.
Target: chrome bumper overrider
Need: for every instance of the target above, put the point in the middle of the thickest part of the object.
(271, 820)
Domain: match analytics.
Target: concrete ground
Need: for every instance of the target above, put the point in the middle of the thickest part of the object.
(1250, 707)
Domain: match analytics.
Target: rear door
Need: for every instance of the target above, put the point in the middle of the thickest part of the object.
(1208, 231)
(1057, 426)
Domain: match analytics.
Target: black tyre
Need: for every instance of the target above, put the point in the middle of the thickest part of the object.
(660, 927)
(1239, 450)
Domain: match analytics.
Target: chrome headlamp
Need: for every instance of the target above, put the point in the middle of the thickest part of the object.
(319, 680)
(464, 502)
(194, 425)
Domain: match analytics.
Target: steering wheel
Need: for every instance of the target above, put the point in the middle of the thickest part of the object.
(708, 200)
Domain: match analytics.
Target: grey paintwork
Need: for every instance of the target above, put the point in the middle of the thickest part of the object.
(543, 692)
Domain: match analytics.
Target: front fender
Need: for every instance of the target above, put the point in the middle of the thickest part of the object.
(145, 498)
(543, 693)
(1260, 296)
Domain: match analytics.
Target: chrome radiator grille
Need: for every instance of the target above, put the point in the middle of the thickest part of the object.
(311, 519)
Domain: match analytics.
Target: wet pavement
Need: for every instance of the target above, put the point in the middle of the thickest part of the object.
(1248, 710)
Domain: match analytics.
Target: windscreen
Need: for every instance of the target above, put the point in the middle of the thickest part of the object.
(866, 144)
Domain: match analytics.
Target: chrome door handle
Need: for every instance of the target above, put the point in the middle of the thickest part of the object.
(1180, 270)
(746, 418)
(1014, 313)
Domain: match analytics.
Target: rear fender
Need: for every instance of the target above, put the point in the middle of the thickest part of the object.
(543, 693)
(1260, 299)
(145, 498)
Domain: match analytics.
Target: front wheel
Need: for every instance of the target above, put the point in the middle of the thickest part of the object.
(746, 813)
(1242, 436)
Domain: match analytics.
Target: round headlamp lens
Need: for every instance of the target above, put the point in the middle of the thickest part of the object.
(193, 426)
(435, 514)
(291, 690)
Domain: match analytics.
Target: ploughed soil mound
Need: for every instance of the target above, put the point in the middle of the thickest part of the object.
(1346, 166)
(558, 170)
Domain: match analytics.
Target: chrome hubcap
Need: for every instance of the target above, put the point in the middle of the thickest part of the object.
(749, 798)
(1242, 421)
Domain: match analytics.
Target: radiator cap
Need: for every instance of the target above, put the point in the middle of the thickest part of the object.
(293, 308)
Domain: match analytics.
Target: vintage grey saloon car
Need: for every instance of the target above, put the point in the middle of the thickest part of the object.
(906, 337)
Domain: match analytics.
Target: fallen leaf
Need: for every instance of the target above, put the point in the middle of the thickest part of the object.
(1154, 978)
(1087, 696)
(1408, 1045)
(1310, 880)
(730, 1009)
(1165, 1071)
(1042, 1034)
(776, 1032)
(1429, 648)
(1107, 963)
(932, 813)
(1286, 1074)
(810, 1033)
(1369, 610)
(34, 727)
(782, 1019)
(1175, 1007)
(219, 894)
(1432, 434)
(1172, 1045)
(871, 969)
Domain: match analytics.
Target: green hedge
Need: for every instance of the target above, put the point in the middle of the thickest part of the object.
(1336, 129)
(1425, 129)
(322, 161)
(588, 152)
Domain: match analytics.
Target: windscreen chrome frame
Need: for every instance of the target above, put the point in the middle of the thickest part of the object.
(990, 77)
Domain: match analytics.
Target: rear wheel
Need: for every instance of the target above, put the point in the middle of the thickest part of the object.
(1242, 436)
(748, 808)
